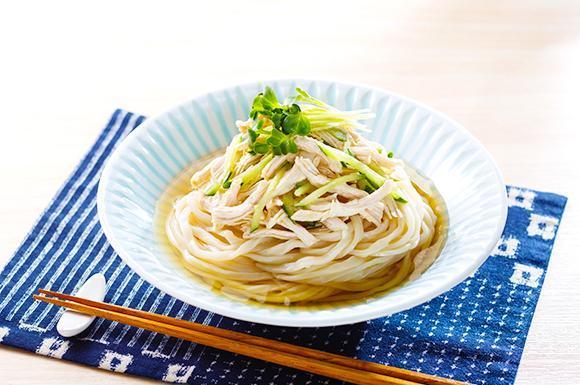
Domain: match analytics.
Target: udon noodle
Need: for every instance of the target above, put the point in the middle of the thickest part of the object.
(329, 216)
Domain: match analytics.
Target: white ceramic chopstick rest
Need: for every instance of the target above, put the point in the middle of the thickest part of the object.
(72, 323)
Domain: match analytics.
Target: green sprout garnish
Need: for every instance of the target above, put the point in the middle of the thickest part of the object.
(325, 117)
(276, 125)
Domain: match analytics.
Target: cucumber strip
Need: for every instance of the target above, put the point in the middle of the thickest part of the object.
(327, 187)
(227, 181)
(374, 178)
(268, 196)
(397, 197)
(363, 184)
(288, 204)
(339, 134)
(376, 168)
(229, 165)
(251, 175)
(303, 189)
(212, 190)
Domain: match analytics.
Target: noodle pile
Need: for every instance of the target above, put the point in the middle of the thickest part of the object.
(330, 216)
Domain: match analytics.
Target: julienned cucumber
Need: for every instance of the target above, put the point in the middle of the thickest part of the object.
(314, 195)
(251, 175)
(288, 203)
(374, 178)
(229, 164)
(268, 196)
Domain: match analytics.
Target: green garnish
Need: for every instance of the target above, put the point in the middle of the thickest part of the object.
(276, 125)
(390, 154)
(324, 117)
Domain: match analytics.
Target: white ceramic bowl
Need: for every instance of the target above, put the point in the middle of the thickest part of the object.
(145, 163)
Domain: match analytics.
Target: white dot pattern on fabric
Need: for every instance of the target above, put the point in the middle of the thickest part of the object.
(543, 226)
(4, 331)
(115, 362)
(474, 332)
(526, 275)
(507, 247)
(178, 374)
(53, 347)
(521, 198)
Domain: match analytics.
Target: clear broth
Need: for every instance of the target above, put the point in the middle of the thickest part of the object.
(180, 186)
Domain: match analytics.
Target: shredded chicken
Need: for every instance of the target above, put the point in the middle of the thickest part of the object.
(308, 216)
(304, 235)
(275, 164)
(349, 191)
(230, 197)
(246, 161)
(244, 125)
(362, 153)
(327, 137)
(374, 213)
(338, 209)
(289, 180)
(309, 145)
(334, 224)
(275, 219)
(204, 175)
(232, 215)
(310, 171)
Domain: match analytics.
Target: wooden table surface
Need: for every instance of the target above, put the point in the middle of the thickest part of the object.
(508, 71)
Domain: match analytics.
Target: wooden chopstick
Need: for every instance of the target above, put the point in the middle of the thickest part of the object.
(267, 343)
(281, 358)
(327, 364)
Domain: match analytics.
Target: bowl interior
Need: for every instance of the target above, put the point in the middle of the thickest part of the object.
(146, 163)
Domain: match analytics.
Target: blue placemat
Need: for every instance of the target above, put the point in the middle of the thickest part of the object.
(475, 332)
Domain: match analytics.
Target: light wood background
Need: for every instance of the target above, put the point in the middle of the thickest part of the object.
(508, 70)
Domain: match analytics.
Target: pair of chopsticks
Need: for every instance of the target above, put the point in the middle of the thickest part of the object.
(306, 359)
